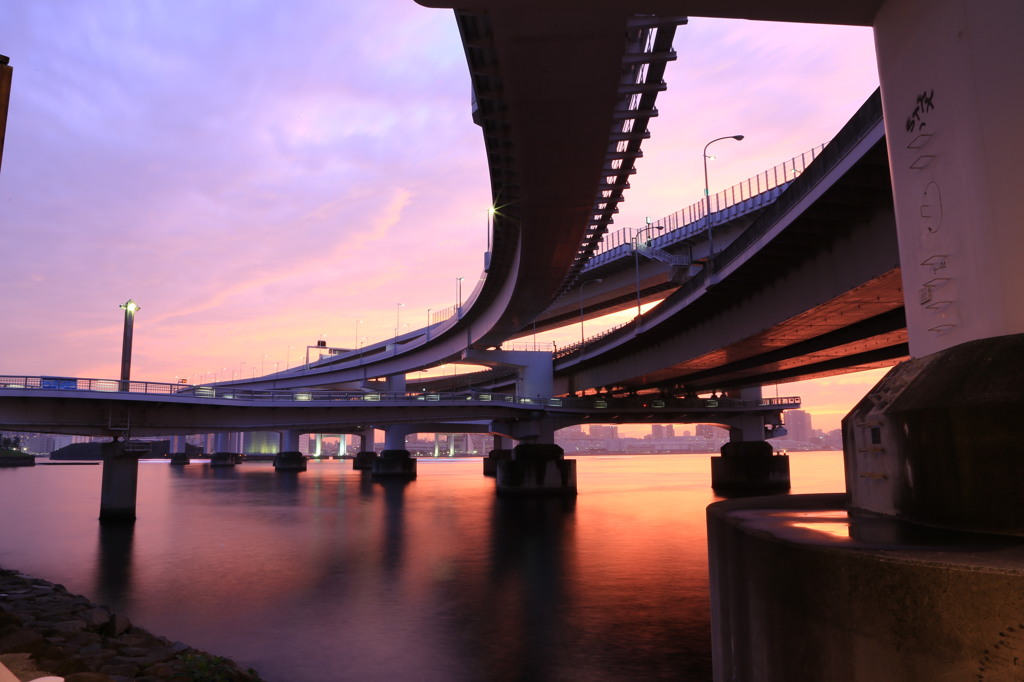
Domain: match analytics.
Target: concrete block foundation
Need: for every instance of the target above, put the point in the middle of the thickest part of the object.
(536, 470)
(749, 468)
(802, 591)
(394, 464)
(290, 461)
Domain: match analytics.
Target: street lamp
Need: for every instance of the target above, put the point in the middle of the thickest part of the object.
(129, 307)
(707, 198)
(490, 225)
(398, 318)
(428, 324)
(458, 296)
(589, 281)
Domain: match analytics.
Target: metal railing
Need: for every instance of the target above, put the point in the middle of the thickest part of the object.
(741, 198)
(214, 392)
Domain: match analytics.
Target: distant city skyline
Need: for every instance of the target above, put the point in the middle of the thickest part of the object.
(260, 179)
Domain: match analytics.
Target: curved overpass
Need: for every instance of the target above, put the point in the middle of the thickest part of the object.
(563, 99)
(563, 105)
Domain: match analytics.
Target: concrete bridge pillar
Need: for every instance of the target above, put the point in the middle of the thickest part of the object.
(288, 457)
(748, 464)
(364, 458)
(499, 452)
(120, 480)
(179, 450)
(537, 467)
(395, 461)
(951, 93)
(224, 455)
(936, 445)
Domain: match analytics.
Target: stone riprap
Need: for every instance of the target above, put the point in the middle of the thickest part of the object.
(67, 635)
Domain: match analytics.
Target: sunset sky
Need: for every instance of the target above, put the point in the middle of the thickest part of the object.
(258, 176)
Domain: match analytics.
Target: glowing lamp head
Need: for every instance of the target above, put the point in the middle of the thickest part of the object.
(130, 306)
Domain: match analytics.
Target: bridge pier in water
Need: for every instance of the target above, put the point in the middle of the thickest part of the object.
(917, 572)
(498, 453)
(537, 467)
(179, 451)
(363, 460)
(288, 457)
(395, 461)
(224, 455)
(748, 464)
(120, 480)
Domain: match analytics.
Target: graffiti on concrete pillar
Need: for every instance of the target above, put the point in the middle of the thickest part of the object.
(925, 103)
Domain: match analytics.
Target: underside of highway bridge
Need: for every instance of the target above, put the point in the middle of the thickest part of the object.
(901, 241)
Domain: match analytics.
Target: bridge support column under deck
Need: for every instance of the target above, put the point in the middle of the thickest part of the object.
(499, 453)
(536, 470)
(288, 457)
(934, 453)
(179, 450)
(223, 455)
(363, 460)
(748, 464)
(395, 461)
(120, 481)
(749, 468)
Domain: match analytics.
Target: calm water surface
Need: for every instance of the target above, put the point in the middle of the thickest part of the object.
(329, 576)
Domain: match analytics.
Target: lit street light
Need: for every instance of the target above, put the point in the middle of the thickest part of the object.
(398, 318)
(458, 296)
(129, 307)
(707, 198)
(589, 281)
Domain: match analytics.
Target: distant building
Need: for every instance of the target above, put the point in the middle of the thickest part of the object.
(663, 431)
(708, 431)
(798, 425)
(604, 431)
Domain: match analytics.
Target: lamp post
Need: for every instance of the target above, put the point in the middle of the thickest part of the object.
(490, 225)
(129, 307)
(458, 296)
(589, 281)
(428, 324)
(707, 197)
(398, 318)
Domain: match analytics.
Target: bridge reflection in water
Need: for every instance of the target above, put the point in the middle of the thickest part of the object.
(329, 576)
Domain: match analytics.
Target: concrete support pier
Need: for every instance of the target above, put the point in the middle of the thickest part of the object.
(289, 458)
(223, 459)
(395, 461)
(223, 455)
(749, 468)
(179, 451)
(119, 481)
(536, 470)
(872, 599)
(492, 459)
(363, 460)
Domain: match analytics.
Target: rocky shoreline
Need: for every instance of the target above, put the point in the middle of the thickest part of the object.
(46, 630)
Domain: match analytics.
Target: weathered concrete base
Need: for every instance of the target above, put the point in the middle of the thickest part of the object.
(224, 459)
(363, 461)
(749, 468)
(180, 458)
(290, 461)
(938, 440)
(536, 470)
(120, 481)
(492, 459)
(797, 593)
(394, 464)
